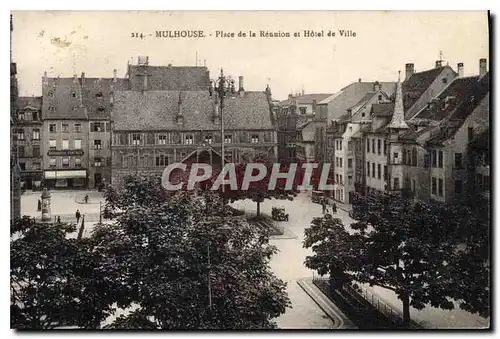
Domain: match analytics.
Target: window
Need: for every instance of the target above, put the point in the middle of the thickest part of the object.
(458, 186)
(188, 139)
(101, 109)
(65, 162)
(97, 162)
(303, 110)
(379, 97)
(52, 144)
(52, 162)
(97, 144)
(373, 169)
(458, 160)
(20, 134)
(368, 146)
(349, 163)
(20, 115)
(396, 183)
(379, 171)
(73, 94)
(373, 146)
(385, 147)
(445, 80)
(404, 157)
(434, 186)
(208, 139)
(396, 157)
(78, 144)
(52, 109)
(162, 139)
(35, 116)
(97, 127)
(470, 134)
(78, 162)
(340, 162)
(434, 158)
(255, 139)
(37, 166)
(379, 147)
(22, 165)
(349, 145)
(408, 158)
(75, 108)
(136, 139)
(367, 168)
(414, 157)
(65, 144)
(349, 179)
(20, 151)
(36, 151)
(52, 128)
(336, 178)
(65, 128)
(340, 145)
(440, 159)
(440, 187)
(78, 127)
(228, 139)
(161, 160)
(386, 175)
(36, 134)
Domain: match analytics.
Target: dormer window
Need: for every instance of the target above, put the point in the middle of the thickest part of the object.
(445, 80)
(101, 108)
(52, 109)
(51, 94)
(98, 95)
(73, 94)
(75, 108)
(21, 115)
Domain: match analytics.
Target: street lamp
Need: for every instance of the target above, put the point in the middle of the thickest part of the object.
(221, 87)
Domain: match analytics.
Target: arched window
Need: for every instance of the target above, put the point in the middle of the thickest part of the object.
(98, 95)
(414, 156)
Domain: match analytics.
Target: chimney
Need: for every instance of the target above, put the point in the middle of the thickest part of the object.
(376, 86)
(44, 79)
(240, 84)
(315, 105)
(83, 78)
(482, 67)
(409, 70)
(290, 96)
(439, 63)
(359, 80)
(75, 78)
(460, 69)
(115, 75)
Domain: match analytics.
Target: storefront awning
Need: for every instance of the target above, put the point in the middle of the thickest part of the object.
(65, 174)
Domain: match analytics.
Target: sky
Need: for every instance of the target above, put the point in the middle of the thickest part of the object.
(64, 43)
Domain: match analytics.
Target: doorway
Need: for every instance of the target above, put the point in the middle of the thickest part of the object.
(97, 180)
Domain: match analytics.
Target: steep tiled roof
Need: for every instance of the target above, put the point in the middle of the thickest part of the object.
(157, 110)
(417, 84)
(34, 102)
(169, 78)
(305, 99)
(382, 110)
(448, 99)
(87, 98)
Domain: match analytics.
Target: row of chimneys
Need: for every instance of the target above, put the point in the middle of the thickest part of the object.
(410, 68)
(75, 77)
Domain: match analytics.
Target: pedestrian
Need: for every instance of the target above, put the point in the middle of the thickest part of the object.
(39, 205)
(78, 215)
(334, 208)
(323, 205)
(59, 219)
(86, 198)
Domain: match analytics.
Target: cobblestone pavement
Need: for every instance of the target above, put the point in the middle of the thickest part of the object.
(288, 263)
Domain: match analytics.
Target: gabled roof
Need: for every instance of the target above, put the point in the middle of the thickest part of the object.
(158, 110)
(382, 110)
(304, 99)
(29, 102)
(81, 98)
(169, 78)
(448, 99)
(418, 83)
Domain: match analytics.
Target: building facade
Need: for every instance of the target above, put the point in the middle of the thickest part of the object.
(29, 141)
(15, 182)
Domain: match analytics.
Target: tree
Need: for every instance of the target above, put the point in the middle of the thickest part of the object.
(406, 246)
(55, 281)
(180, 270)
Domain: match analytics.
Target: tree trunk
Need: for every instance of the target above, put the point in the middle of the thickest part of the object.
(258, 209)
(406, 309)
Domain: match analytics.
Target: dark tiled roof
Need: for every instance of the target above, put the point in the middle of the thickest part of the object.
(169, 78)
(416, 85)
(77, 99)
(448, 100)
(35, 102)
(157, 110)
(305, 99)
(383, 110)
